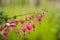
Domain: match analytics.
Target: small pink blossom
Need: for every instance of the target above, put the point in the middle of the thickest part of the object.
(24, 29)
(29, 26)
(13, 25)
(39, 18)
(22, 21)
(6, 31)
(31, 17)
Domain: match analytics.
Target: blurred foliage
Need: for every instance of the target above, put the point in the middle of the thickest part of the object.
(3, 18)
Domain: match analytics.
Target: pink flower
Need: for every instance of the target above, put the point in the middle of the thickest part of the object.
(29, 26)
(22, 21)
(33, 25)
(13, 25)
(6, 31)
(39, 18)
(31, 17)
(24, 29)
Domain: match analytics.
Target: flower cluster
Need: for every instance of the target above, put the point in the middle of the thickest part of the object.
(12, 24)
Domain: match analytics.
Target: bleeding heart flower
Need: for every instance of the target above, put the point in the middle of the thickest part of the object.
(6, 31)
(33, 24)
(29, 27)
(13, 25)
(39, 18)
(31, 17)
(24, 29)
(22, 21)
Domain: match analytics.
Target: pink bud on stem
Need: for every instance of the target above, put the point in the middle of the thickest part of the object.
(22, 21)
(33, 25)
(39, 19)
(13, 25)
(29, 27)
(5, 33)
(31, 17)
(24, 29)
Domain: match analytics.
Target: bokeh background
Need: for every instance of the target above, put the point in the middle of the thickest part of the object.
(49, 29)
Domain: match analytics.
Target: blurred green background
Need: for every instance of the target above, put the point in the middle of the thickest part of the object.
(47, 30)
